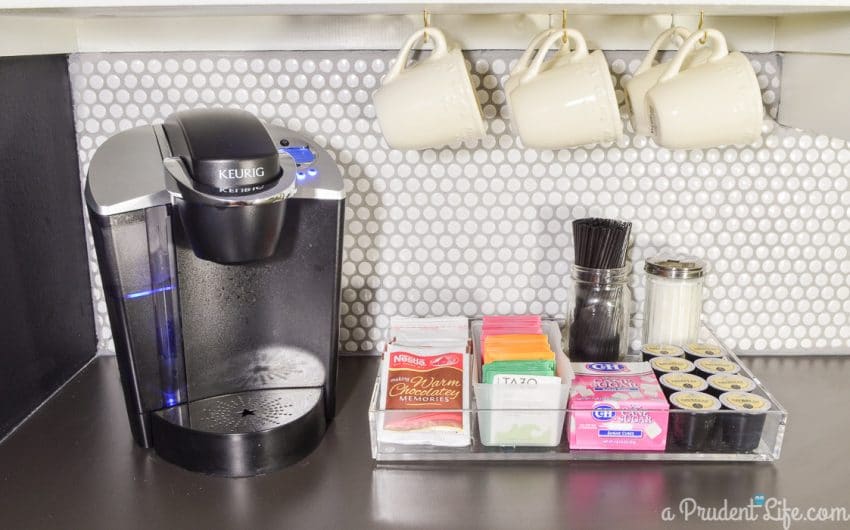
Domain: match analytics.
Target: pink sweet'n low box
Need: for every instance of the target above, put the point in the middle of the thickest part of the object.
(617, 406)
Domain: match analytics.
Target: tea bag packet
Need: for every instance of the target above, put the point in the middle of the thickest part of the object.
(517, 348)
(425, 383)
(489, 320)
(510, 325)
(491, 371)
(515, 345)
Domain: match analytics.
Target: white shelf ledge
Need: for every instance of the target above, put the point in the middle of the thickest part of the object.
(68, 26)
(389, 7)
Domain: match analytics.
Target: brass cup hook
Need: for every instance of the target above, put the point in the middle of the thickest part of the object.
(564, 26)
(699, 27)
(426, 21)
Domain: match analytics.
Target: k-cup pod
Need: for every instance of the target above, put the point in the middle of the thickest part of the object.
(740, 431)
(715, 103)
(681, 382)
(431, 103)
(702, 350)
(647, 76)
(666, 365)
(693, 416)
(650, 351)
(708, 367)
(721, 383)
(570, 105)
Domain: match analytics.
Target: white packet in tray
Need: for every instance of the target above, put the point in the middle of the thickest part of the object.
(435, 331)
(520, 379)
(425, 395)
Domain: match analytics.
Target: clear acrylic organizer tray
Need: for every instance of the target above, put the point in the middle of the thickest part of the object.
(503, 426)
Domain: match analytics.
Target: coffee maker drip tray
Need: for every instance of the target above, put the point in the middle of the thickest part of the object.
(240, 434)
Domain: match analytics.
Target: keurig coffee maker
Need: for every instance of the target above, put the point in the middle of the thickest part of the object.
(219, 245)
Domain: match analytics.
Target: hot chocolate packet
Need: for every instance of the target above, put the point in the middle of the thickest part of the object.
(435, 331)
(425, 388)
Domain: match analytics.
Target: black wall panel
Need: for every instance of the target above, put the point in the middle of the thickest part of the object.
(46, 322)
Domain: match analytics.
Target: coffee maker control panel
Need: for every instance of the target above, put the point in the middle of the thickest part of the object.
(316, 173)
(303, 157)
(302, 154)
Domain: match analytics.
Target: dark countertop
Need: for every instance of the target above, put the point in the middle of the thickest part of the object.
(73, 465)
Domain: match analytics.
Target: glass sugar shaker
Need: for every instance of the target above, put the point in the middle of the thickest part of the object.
(673, 306)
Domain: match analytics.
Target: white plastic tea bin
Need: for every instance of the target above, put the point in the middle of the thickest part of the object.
(523, 414)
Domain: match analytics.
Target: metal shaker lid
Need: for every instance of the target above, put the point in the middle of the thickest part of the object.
(675, 266)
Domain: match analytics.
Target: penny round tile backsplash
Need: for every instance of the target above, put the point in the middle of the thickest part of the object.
(486, 228)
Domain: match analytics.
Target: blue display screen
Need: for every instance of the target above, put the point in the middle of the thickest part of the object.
(301, 154)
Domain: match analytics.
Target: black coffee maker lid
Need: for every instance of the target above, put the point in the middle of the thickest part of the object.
(227, 150)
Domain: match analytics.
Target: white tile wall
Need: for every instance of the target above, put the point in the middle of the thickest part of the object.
(486, 228)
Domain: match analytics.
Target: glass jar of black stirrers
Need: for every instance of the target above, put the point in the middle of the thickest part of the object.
(598, 309)
(597, 327)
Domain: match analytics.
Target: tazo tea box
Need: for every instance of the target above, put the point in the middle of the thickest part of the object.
(617, 406)
(423, 392)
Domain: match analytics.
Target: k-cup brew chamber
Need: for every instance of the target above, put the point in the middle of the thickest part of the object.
(219, 244)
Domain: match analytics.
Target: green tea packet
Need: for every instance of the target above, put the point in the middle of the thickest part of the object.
(540, 367)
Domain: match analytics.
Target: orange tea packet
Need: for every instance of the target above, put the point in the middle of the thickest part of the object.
(517, 348)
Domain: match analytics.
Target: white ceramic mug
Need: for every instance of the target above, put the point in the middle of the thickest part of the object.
(647, 76)
(716, 103)
(429, 104)
(560, 57)
(573, 104)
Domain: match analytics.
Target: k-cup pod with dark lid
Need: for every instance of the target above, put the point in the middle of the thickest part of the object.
(673, 382)
(740, 431)
(709, 367)
(721, 383)
(666, 365)
(702, 350)
(693, 416)
(661, 350)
